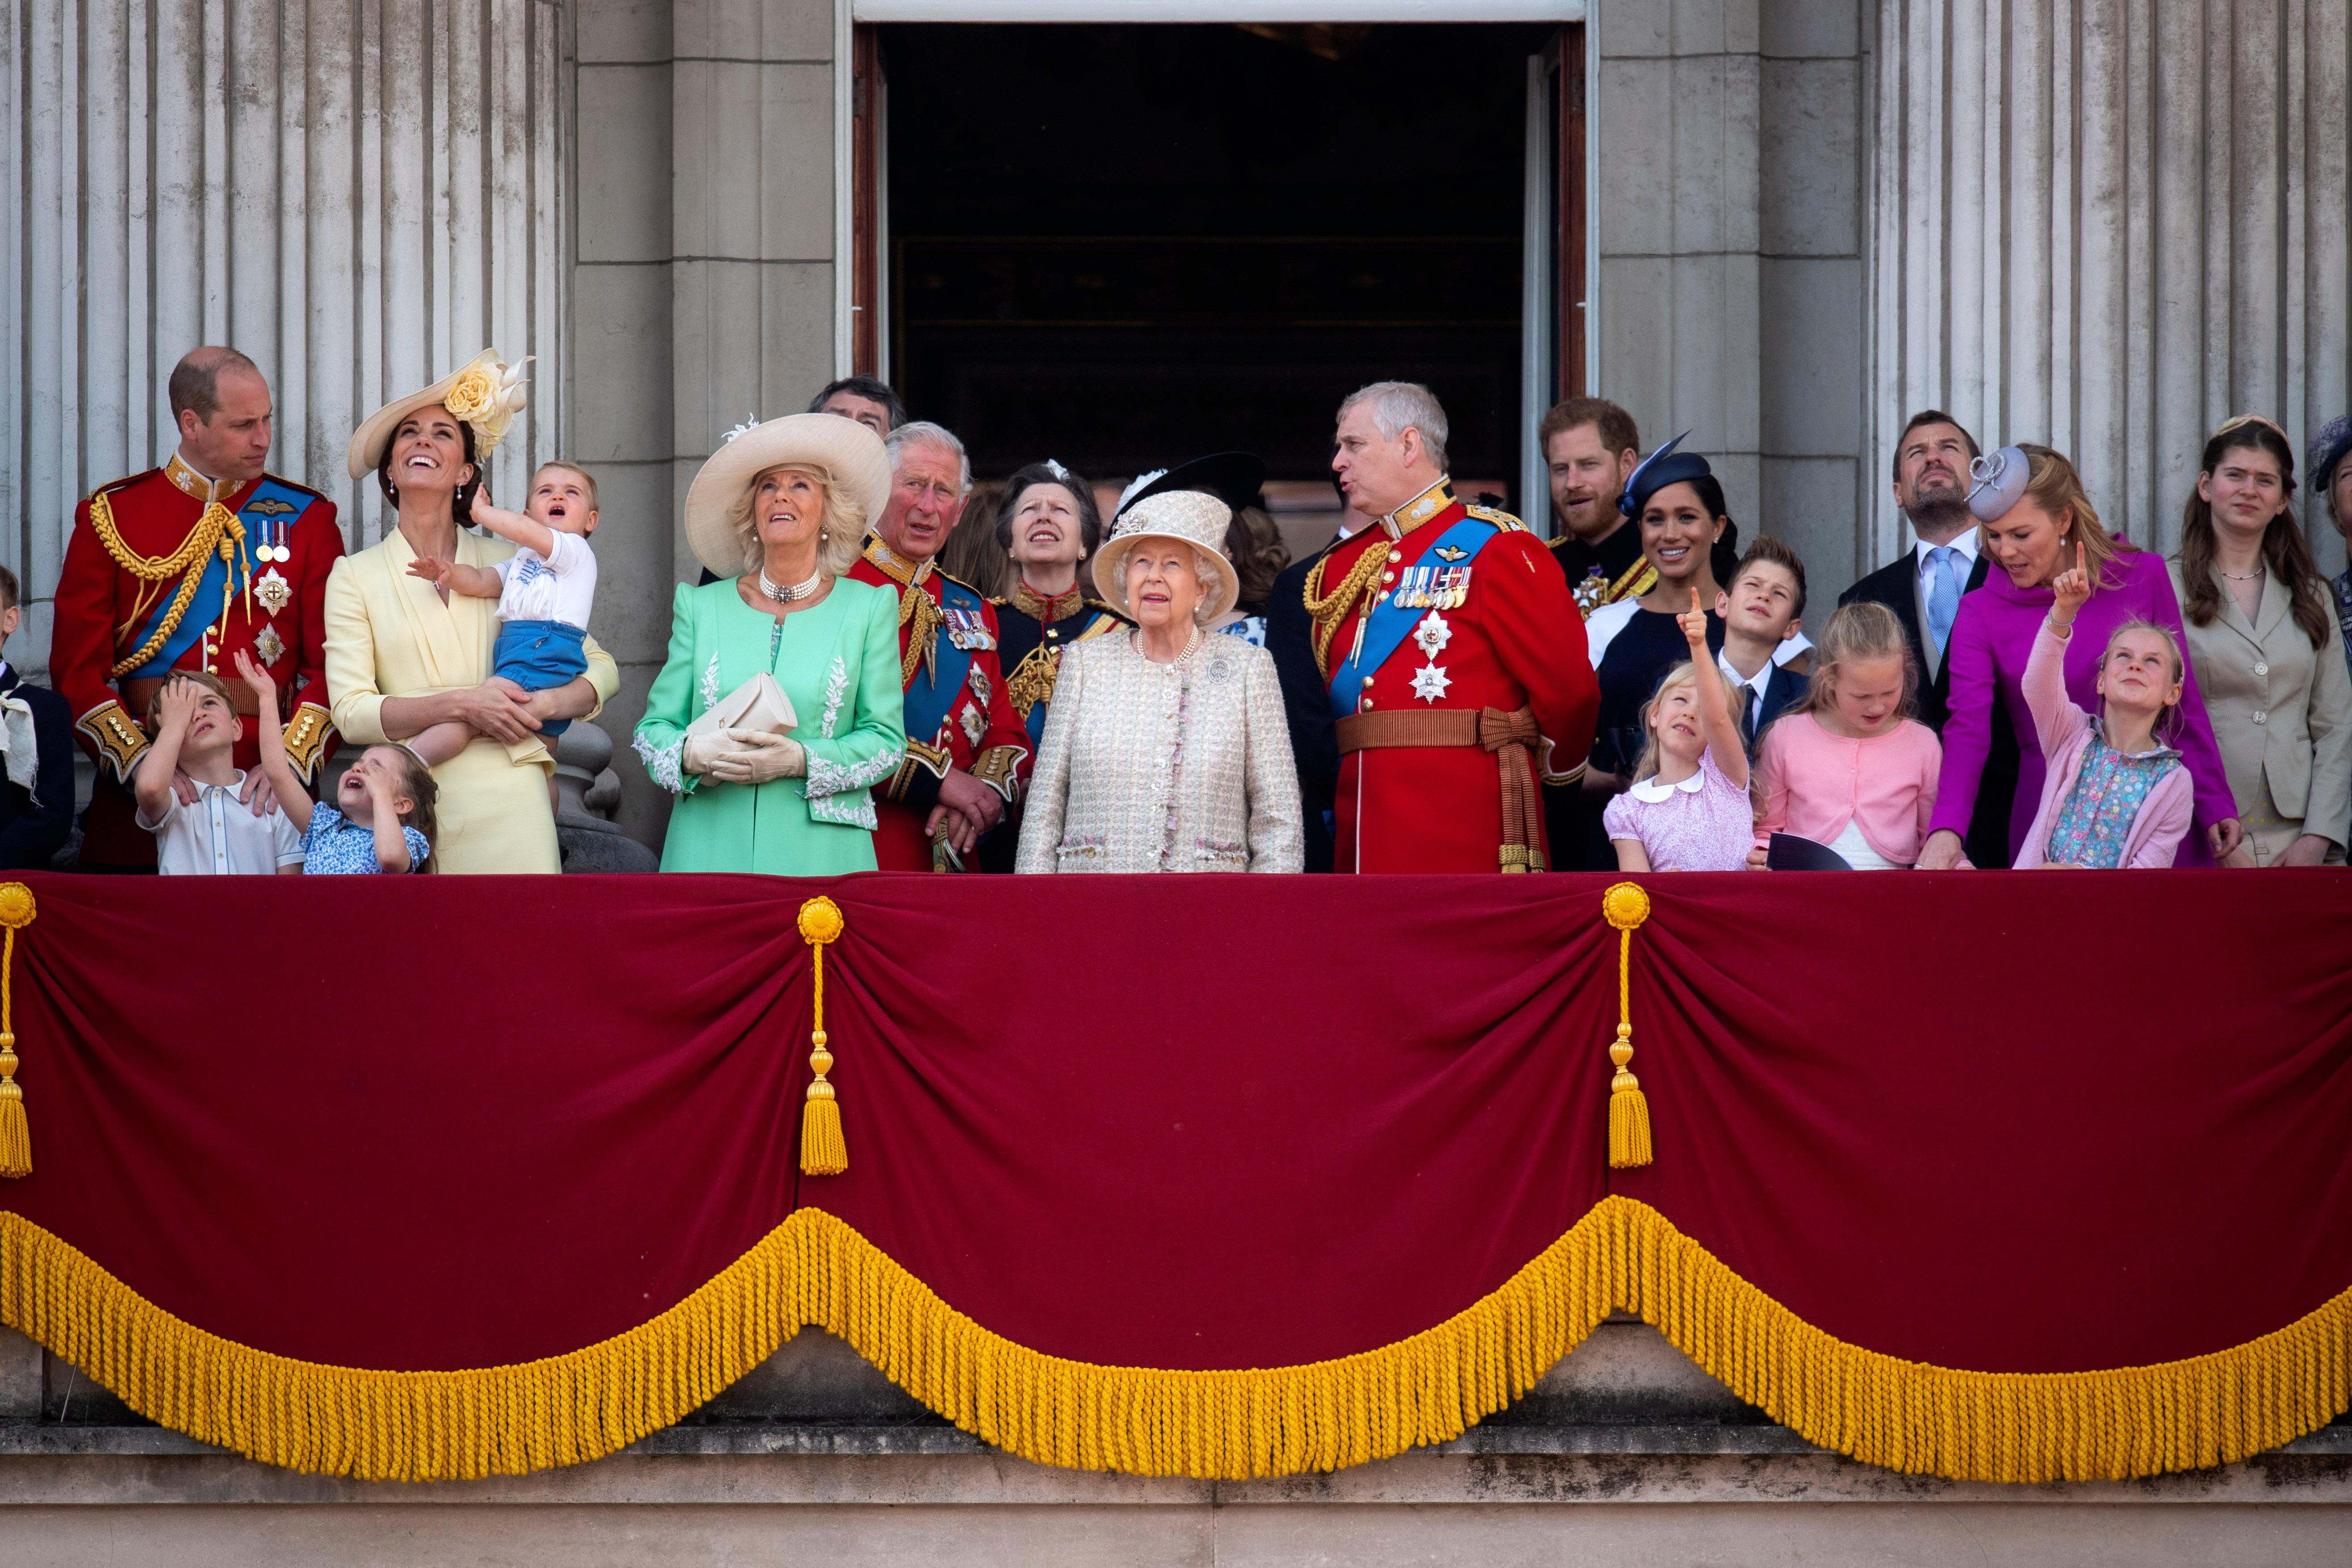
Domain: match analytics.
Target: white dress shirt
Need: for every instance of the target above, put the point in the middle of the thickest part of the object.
(1752, 684)
(1964, 549)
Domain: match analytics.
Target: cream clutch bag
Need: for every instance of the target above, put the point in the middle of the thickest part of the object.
(758, 704)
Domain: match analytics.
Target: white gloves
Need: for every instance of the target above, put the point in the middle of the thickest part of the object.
(750, 756)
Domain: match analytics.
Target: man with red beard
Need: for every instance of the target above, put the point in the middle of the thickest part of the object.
(968, 756)
(1924, 585)
(1453, 657)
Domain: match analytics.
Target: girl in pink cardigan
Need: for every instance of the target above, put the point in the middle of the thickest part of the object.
(2114, 795)
(1843, 766)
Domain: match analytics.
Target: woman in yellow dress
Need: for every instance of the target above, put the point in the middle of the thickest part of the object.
(402, 655)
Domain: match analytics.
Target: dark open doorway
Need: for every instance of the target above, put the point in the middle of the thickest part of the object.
(1125, 245)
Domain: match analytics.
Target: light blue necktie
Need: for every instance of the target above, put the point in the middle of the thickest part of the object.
(1943, 595)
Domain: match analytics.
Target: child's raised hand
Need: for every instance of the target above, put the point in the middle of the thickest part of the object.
(178, 704)
(2071, 588)
(434, 569)
(497, 519)
(1694, 623)
(258, 679)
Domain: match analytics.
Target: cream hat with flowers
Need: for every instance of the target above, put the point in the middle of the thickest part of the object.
(1197, 520)
(844, 452)
(484, 392)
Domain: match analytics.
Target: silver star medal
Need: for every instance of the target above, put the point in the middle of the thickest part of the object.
(1429, 683)
(274, 592)
(269, 646)
(975, 725)
(1432, 634)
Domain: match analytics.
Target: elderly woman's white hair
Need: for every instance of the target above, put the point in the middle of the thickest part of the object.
(1399, 405)
(844, 527)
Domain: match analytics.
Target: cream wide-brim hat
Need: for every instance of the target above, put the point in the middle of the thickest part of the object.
(1189, 516)
(483, 392)
(844, 452)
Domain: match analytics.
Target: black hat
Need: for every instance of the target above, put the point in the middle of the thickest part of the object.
(1233, 478)
(1662, 468)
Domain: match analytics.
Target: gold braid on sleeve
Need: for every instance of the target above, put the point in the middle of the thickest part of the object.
(916, 605)
(1332, 608)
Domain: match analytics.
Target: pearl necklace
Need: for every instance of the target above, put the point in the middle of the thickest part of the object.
(789, 593)
(2255, 577)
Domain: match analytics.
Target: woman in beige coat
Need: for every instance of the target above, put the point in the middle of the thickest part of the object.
(402, 656)
(2268, 654)
(1165, 748)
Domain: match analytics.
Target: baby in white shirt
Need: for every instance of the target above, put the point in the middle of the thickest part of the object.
(544, 591)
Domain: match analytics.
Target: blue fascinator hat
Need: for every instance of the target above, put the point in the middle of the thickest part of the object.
(1662, 468)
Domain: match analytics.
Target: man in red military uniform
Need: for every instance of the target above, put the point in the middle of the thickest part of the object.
(968, 754)
(1453, 657)
(183, 567)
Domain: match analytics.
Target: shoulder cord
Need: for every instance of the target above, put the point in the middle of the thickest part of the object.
(1331, 609)
(213, 532)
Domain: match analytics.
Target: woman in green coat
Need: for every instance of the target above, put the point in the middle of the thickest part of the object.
(782, 506)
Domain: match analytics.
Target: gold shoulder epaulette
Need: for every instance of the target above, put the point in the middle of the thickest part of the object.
(1502, 520)
(124, 483)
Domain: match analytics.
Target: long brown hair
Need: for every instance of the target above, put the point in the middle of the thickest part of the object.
(416, 781)
(2284, 549)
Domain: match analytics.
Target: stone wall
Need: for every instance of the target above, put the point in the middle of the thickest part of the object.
(359, 195)
(1625, 1455)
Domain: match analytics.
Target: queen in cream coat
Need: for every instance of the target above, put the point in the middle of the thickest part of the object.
(1178, 763)
(391, 635)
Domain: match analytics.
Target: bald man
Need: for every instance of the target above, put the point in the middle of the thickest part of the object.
(185, 567)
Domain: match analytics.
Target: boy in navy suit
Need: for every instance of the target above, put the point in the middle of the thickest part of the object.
(1763, 608)
(37, 747)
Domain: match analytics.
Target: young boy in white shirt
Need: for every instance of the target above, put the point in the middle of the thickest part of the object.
(194, 720)
(1761, 611)
(544, 591)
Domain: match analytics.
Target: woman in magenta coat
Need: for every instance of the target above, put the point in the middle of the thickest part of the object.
(2034, 512)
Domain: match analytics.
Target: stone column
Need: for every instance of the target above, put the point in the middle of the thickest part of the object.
(2109, 225)
(1676, 214)
(359, 195)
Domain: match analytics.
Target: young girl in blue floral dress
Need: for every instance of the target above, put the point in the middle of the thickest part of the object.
(383, 818)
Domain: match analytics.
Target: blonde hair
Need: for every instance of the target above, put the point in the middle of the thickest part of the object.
(2051, 480)
(842, 528)
(2167, 723)
(1683, 674)
(1864, 629)
(587, 480)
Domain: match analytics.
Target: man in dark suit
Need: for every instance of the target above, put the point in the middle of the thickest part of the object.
(1923, 587)
(1306, 700)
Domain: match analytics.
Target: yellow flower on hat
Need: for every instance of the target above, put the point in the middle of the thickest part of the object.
(474, 393)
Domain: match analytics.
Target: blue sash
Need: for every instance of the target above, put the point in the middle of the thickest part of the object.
(205, 609)
(1389, 624)
(927, 701)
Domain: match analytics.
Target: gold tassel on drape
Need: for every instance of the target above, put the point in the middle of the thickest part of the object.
(824, 1153)
(16, 911)
(1626, 906)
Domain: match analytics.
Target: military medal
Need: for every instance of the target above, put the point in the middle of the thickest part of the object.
(1432, 635)
(269, 644)
(1592, 593)
(274, 591)
(975, 724)
(979, 682)
(967, 630)
(1429, 683)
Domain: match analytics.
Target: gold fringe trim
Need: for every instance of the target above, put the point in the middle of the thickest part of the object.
(814, 1269)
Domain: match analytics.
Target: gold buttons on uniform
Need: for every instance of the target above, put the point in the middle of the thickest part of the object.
(1368, 704)
(1396, 554)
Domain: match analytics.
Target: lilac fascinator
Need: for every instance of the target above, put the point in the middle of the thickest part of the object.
(2000, 483)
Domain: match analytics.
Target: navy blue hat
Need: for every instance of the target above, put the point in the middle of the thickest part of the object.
(1662, 468)
(2327, 449)
(1233, 478)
